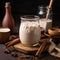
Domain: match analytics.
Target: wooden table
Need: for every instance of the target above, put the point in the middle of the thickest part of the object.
(4, 56)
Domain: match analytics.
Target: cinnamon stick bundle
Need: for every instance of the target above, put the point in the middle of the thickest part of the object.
(10, 43)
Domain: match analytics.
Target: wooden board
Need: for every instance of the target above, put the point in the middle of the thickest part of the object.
(25, 49)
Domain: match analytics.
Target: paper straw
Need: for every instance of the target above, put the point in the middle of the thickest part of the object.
(49, 8)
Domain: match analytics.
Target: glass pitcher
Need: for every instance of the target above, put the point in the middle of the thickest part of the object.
(29, 32)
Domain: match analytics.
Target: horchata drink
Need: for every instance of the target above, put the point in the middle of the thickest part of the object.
(29, 31)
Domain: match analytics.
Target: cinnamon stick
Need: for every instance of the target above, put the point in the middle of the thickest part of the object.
(17, 40)
(47, 35)
(41, 48)
(7, 43)
(42, 40)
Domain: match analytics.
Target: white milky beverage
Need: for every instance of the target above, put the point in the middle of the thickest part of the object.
(29, 33)
(46, 24)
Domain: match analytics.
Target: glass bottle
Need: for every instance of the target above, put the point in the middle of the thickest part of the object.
(42, 11)
(8, 20)
(29, 31)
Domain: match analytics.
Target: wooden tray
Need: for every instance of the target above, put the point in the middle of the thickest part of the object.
(26, 49)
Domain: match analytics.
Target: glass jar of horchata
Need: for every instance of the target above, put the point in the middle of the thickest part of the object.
(29, 31)
(45, 23)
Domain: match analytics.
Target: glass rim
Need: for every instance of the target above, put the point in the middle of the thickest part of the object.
(29, 17)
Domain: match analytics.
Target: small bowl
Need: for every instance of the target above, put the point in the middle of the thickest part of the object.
(54, 31)
(4, 35)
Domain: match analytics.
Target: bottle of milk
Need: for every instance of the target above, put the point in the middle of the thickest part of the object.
(29, 31)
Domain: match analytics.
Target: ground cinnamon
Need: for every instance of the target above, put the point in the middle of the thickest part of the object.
(17, 40)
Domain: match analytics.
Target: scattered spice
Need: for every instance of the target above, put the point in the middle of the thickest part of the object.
(33, 57)
(22, 56)
(13, 36)
(7, 51)
(14, 54)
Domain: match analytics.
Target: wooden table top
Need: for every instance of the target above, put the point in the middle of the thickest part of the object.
(4, 56)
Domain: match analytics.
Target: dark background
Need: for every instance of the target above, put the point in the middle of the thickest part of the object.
(20, 7)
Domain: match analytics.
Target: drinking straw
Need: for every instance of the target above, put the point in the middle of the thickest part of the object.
(49, 8)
